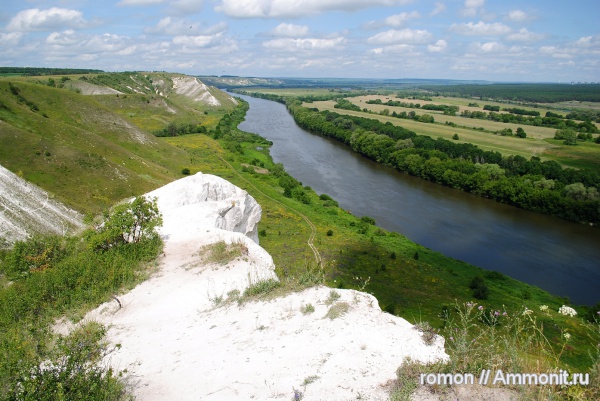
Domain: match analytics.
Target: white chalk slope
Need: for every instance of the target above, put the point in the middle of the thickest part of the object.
(177, 345)
(26, 209)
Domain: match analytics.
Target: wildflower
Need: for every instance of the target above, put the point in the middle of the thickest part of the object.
(480, 307)
(527, 312)
(470, 304)
(567, 311)
(451, 338)
(567, 336)
(504, 313)
(496, 313)
(544, 308)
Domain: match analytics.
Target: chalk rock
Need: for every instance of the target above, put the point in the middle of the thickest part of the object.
(199, 202)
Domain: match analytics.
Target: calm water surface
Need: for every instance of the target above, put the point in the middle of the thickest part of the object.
(558, 256)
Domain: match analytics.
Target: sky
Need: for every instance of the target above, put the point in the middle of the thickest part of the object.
(505, 41)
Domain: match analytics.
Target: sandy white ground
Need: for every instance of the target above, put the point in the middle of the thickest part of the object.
(176, 344)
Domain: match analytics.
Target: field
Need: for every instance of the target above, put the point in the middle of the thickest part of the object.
(539, 141)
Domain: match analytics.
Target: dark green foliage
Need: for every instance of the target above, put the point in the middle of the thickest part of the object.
(346, 104)
(34, 255)
(393, 256)
(33, 71)
(455, 137)
(329, 233)
(185, 171)
(479, 287)
(416, 256)
(262, 233)
(521, 133)
(368, 220)
(175, 129)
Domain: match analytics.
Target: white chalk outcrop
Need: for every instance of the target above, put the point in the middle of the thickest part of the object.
(194, 89)
(26, 209)
(178, 343)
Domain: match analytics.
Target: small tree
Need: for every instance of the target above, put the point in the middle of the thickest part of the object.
(126, 223)
(521, 133)
(455, 137)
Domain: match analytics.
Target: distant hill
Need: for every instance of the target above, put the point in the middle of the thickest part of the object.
(87, 139)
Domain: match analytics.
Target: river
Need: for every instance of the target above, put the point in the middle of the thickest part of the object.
(556, 255)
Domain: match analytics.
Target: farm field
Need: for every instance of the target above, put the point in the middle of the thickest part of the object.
(486, 140)
(538, 143)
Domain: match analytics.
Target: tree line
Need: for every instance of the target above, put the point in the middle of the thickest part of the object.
(541, 186)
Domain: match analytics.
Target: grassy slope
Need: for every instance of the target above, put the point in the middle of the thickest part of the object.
(82, 151)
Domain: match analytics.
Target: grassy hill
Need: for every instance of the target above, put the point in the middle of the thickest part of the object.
(92, 150)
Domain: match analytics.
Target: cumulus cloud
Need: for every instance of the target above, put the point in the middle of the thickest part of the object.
(517, 16)
(294, 9)
(395, 49)
(472, 7)
(10, 39)
(490, 47)
(54, 18)
(588, 42)
(180, 26)
(290, 30)
(407, 36)
(525, 36)
(480, 29)
(438, 46)
(439, 9)
(291, 44)
(400, 19)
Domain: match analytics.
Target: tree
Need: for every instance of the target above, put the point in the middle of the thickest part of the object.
(521, 133)
(127, 223)
(455, 137)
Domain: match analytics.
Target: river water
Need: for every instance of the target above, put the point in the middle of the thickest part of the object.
(556, 255)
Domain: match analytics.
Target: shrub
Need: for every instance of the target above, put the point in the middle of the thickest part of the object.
(329, 233)
(455, 137)
(185, 171)
(126, 223)
(480, 289)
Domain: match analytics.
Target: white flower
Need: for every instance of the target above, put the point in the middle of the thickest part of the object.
(527, 312)
(567, 310)
(567, 336)
(544, 308)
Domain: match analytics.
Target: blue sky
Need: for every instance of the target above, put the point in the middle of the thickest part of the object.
(534, 41)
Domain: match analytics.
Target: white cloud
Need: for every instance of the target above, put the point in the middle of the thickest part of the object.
(294, 9)
(290, 30)
(198, 41)
(472, 7)
(10, 39)
(438, 47)
(394, 49)
(517, 16)
(490, 47)
(407, 36)
(480, 28)
(400, 19)
(525, 36)
(439, 9)
(54, 18)
(291, 44)
(588, 42)
(139, 2)
(180, 26)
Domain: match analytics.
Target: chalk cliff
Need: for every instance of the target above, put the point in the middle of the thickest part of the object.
(179, 338)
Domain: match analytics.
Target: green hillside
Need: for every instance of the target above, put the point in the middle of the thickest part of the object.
(90, 151)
